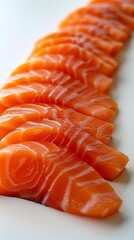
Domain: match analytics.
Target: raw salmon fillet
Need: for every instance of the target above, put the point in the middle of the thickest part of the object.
(108, 10)
(106, 67)
(56, 114)
(53, 176)
(15, 116)
(87, 36)
(112, 28)
(76, 68)
(106, 160)
(49, 76)
(86, 56)
(93, 104)
(78, 41)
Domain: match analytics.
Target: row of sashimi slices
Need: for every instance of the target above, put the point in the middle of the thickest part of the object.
(56, 115)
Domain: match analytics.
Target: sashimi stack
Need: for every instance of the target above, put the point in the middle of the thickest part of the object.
(56, 117)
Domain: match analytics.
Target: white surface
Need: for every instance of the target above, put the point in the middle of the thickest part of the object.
(22, 22)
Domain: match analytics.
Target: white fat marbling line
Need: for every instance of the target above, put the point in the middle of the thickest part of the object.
(61, 92)
(76, 64)
(58, 58)
(99, 109)
(79, 87)
(68, 63)
(40, 72)
(16, 77)
(103, 100)
(50, 58)
(7, 117)
(63, 134)
(90, 147)
(81, 39)
(67, 193)
(69, 97)
(43, 87)
(24, 108)
(97, 199)
(80, 103)
(72, 83)
(54, 113)
(75, 136)
(102, 129)
(91, 183)
(86, 122)
(51, 93)
(30, 74)
(81, 90)
(39, 124)
(49, 121)
(57, 161)
(67, 130)
(45, 138)
(36, 107)
(57, 135)
(62, 172)
(27, 88)
(42, 146)
(112, 160)
(84, 74)
(42, 106)
(82, 139)
(65, 79)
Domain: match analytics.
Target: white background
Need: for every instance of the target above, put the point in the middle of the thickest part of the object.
(22, 22)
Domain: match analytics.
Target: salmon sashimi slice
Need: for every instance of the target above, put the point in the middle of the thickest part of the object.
(89, 48)
(126, 6)
(89, 29)
(16, 116)
(72, 66)
(57, 178)
(113, 28)
(48, 76)
(106, 160)
(81, 53)
(53, 77)
(108, 10)
(107, 45)
(96, 104)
